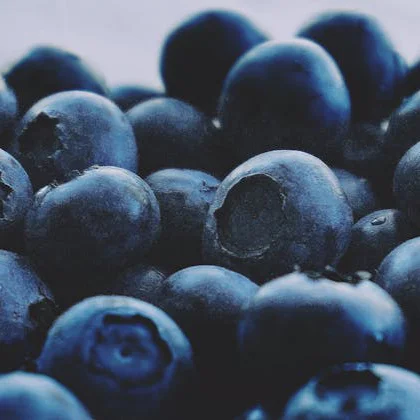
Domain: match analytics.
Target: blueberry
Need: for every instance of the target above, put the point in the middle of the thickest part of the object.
(129, 95)
(301, 323)
(374, 236)
(173, 134)
(45, 70)
(403, 130)
(358, 191)
(407, 184)
(8, 113)
(285, 95)
(122, 357)
(199, 52)
(72, 131)
(206, 302)
(274, 211)
(140, 281)
(372, 68)
(93, 225)
(358, 391)
(255, 413)
(411, 83)
(399, 275)
(28, 396)
(15, 198)
(184, 198)
(26, 312)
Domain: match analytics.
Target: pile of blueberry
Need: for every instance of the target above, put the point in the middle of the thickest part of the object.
(242, 246)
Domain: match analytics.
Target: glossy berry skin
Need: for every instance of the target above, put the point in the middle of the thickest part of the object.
(374, 236)
(301, 323)
(8, 113)
(45, 70)
(407, 184)
(16, 197)
(359, 193)
(372, 68)
(285, 95)
(173, 134)
(72, 131)
(184, 198)
(399, 275)
(122, 357)
(93, 225)
(30, 396)
(206, 302)
(274, 211)
(199, 52)
(357, 391)
(26, 312)
(127, 96)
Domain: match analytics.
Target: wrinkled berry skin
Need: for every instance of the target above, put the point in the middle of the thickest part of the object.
(198, 54)
(122, 357)
(359, 193)
(173, 134)
(206, 302)
(26, 312)
(276, 210)
(301, 323)
(16, 197)
(95, 224)
(127, 96)
(8, 113)
(357, 391)
(184, 198)
(72, 131)
(30, 396)
(372, 68)
(399, 275)
(45, 70)
(407, 184)
(285, 95)
(374, 236)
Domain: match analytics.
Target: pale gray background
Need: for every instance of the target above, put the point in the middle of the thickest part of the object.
(122, 38)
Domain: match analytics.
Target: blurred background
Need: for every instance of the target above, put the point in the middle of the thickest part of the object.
(123, 38)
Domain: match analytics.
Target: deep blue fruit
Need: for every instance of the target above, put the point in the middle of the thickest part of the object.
(45, 70)
(173, 134)
(358, 191)
(285, 95)
(274, 211)
(71, 131)
(301, 323)
(124, 358)
(184, 198)
(26, 312)
(407, 184)
(403, 130)
(93, 225)
(26, 396)
(198, 54)
(206, 302)
(411, 83)
(126, 96)
(140, 281)
(255, 413)
(357, 391)
(399, 275)
(372, 68)
(374, 236)
(15, 198)
(8, 113)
